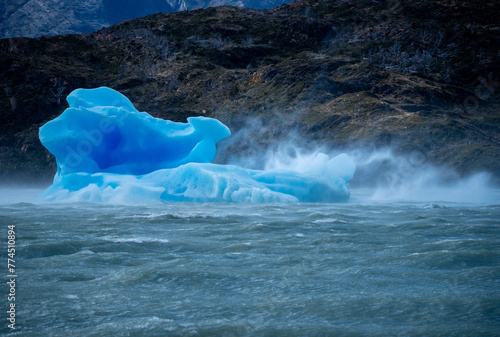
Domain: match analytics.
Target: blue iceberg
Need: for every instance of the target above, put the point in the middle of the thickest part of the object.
(107, 151)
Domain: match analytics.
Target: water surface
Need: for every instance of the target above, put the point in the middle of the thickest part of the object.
(362, 268)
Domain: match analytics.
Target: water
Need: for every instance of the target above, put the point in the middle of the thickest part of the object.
(363, 268)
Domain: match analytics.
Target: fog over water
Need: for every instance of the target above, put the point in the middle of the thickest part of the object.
(384, 176)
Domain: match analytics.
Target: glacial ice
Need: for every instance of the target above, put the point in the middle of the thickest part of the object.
(107, 151)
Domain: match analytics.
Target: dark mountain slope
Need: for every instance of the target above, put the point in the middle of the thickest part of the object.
(33, 18)
(339, 73)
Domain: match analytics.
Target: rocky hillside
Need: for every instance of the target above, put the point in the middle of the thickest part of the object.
(419, 76)
(33, 18)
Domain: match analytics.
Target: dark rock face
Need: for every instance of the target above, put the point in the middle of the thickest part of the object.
(33, 18)
(343, 74)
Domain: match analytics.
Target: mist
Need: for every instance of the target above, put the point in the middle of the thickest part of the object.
(382, 174)
(15, 195)
(410, 177)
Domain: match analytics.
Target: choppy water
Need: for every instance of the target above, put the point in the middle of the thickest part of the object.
(361, 268)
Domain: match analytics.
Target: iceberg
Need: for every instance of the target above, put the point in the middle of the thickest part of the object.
(109, 152)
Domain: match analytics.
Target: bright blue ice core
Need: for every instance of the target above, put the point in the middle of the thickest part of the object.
(107, 151)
